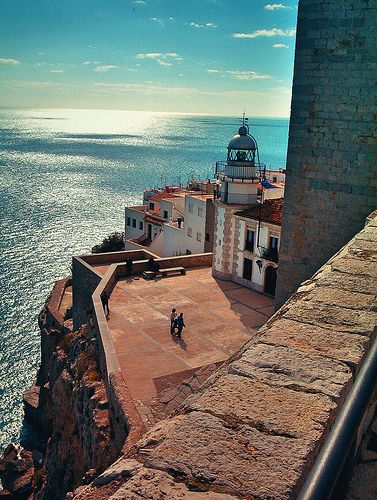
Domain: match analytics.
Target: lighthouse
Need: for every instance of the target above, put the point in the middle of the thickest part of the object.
(239, 176)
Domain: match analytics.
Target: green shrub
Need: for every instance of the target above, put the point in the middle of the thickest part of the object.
(114, 242)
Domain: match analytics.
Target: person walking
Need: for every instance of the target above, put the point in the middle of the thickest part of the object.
(128, 267)
(105, 302)
(180, 325)
(173, 321)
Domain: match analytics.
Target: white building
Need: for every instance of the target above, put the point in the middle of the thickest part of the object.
(173, 221)
(247, 217)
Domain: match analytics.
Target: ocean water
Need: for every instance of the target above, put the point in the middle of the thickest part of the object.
(66, 176)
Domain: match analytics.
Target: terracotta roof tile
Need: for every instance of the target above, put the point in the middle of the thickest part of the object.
(163, 195)
(271, 211)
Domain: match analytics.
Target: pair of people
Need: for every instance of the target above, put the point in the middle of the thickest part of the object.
(176, 323)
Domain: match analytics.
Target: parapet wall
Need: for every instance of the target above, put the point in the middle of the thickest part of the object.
(332, 161)
(88, 286)
(254, 429)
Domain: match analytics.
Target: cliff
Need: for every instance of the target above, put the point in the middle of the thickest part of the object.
(68, 407)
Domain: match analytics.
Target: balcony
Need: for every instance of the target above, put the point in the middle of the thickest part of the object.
(271, 254)
(242, 170)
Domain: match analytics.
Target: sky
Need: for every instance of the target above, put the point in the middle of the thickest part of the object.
(187, 56)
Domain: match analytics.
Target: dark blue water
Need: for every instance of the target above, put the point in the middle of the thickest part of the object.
(66, 176)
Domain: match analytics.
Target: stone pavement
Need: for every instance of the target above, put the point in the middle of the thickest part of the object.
(220, 317)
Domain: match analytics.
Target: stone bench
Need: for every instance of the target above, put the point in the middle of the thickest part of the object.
(172, 270)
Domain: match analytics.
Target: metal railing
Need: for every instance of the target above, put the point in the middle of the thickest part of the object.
(328, 477)
(271, 254)
(238, 170)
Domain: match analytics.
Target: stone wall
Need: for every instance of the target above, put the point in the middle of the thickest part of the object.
(331, 165)
(254, 429)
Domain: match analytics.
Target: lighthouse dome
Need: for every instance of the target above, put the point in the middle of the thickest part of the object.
(242, 141)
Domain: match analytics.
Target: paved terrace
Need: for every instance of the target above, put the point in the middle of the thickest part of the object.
(220, 317)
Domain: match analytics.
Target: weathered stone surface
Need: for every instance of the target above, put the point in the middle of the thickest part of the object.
(343, 320)
(294, 369)
(228, 457)
(350, 282)
(342, 298)
(272, 409)
(353, 265)
(346, 347)
(17, 471)
(160, 486)
(121, 468)
(363, 485)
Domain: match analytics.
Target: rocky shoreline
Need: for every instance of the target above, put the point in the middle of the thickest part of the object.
(67, 408)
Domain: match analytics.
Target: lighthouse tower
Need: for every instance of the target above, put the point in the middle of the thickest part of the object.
(239, 178)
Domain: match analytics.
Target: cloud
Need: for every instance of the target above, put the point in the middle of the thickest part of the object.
(39, 64)
(139, 2)
(164, 63)
(280, 46)
(268, 33)
(12, 62)
(248, 75)
(56, 70)
(160, 57)
(277, 6)
(207, 25)
(240, 75)
(158, 21)
(105, 68)
(85, 63)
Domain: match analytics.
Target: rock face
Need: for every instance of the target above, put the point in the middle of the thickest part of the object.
(69, 407)
(16, 472)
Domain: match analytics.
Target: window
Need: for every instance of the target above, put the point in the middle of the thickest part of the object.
(207, 236)
(188, 252)
(274, 243)
(166, 214)
(128, 221)
(133, 222)
(247, 268)
(249, 243)
(151, 205)
(274, 179)
(199, 236)
(141, 225)
(219, 242)
(191, 208)
(189, 232)
(200, 211)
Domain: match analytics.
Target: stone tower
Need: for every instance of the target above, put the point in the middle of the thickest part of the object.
(332, 160)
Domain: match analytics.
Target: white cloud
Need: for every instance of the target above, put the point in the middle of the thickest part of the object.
(139, 2)
(158, 21)
(160, 57)
(269, 33)
(277, 6)
(56, 70)
(240, 75)
(39, 64)
(12, 62)
(105, 67)
(207, 25)
(85, 63)
(248, 75)
(280, 46)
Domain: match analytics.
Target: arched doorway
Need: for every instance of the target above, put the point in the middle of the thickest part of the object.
(270, 280)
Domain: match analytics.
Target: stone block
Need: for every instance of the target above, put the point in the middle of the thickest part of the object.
(346, 347)
(229, 456)
(336, 318)
(294, 369)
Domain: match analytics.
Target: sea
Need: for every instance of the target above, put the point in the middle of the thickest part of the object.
(66, 176)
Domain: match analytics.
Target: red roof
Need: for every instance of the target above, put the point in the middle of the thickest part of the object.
(161, 196)
(270, 211)
(152, 220)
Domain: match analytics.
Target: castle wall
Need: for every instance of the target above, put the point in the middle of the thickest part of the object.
(331, 165)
